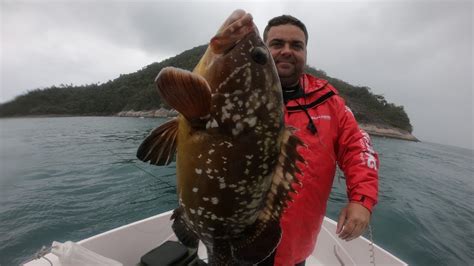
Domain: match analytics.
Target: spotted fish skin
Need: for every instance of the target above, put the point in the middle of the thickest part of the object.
(236, 162)
(223, 177)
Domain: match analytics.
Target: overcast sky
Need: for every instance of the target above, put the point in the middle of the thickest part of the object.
(416, 53)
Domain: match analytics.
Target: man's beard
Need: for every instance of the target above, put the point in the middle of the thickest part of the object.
(289, 81)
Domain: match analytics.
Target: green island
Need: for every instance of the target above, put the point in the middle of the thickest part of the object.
(135, 94)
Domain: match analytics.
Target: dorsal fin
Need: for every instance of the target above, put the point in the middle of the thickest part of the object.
(160, 145)
(284, 177)
(187, 92)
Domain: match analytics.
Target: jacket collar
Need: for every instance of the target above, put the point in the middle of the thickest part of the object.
(314, 88)
(311, 84)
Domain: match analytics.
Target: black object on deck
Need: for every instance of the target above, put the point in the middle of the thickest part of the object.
(171, 253)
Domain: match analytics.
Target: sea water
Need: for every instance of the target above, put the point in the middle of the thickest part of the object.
(70, 178)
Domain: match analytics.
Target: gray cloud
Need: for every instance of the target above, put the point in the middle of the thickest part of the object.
(416, 53)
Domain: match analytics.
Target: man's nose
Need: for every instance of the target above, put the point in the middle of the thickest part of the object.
(285, 50)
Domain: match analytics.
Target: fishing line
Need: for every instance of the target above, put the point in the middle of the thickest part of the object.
(371, 246)
(40, 254)
(168, 185)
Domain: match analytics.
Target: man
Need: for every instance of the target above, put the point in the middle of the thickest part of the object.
(332, 135)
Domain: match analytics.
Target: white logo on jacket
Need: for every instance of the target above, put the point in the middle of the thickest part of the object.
(368, 154)
(323, 117)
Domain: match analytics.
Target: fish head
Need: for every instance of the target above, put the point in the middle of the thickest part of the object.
(237, 58)
(234, 29)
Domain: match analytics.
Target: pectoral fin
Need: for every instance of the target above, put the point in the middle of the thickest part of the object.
(160, 146)
(186, 92)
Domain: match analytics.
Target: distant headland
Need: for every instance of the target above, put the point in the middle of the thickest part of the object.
(372, 129)
(135, 95)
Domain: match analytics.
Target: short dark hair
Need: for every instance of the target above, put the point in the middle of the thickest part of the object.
(283, 20)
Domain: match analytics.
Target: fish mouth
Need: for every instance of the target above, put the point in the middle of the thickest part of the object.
(235, 28)
(230, 46)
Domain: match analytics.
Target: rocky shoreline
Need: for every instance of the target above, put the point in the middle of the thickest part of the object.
(151, 113)
(372, 129)
(388, 132)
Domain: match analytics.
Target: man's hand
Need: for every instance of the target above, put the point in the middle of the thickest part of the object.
(353, 221)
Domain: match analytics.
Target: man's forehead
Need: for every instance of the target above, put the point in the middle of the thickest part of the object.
(286, 32)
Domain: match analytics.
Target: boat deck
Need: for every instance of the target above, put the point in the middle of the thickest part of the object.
(128, 243)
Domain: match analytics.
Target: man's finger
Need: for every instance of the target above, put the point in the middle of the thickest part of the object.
(356, 232)
(341, 221)
(348, 228)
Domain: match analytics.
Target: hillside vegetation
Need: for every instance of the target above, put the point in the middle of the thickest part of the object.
(136, 91)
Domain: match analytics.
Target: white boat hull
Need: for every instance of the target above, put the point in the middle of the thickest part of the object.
(128, 243)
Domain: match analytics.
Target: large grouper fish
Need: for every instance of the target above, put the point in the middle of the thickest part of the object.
(236, 161)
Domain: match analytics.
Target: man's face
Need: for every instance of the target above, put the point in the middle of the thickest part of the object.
(288, 48)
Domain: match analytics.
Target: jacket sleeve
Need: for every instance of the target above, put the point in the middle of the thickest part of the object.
(357, 159)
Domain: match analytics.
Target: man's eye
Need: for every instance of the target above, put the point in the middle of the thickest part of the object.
(276, 45)
(298, 47)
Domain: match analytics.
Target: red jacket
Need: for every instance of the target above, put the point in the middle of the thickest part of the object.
(337, 138)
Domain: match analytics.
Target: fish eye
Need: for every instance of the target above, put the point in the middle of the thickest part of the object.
(260, 55)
